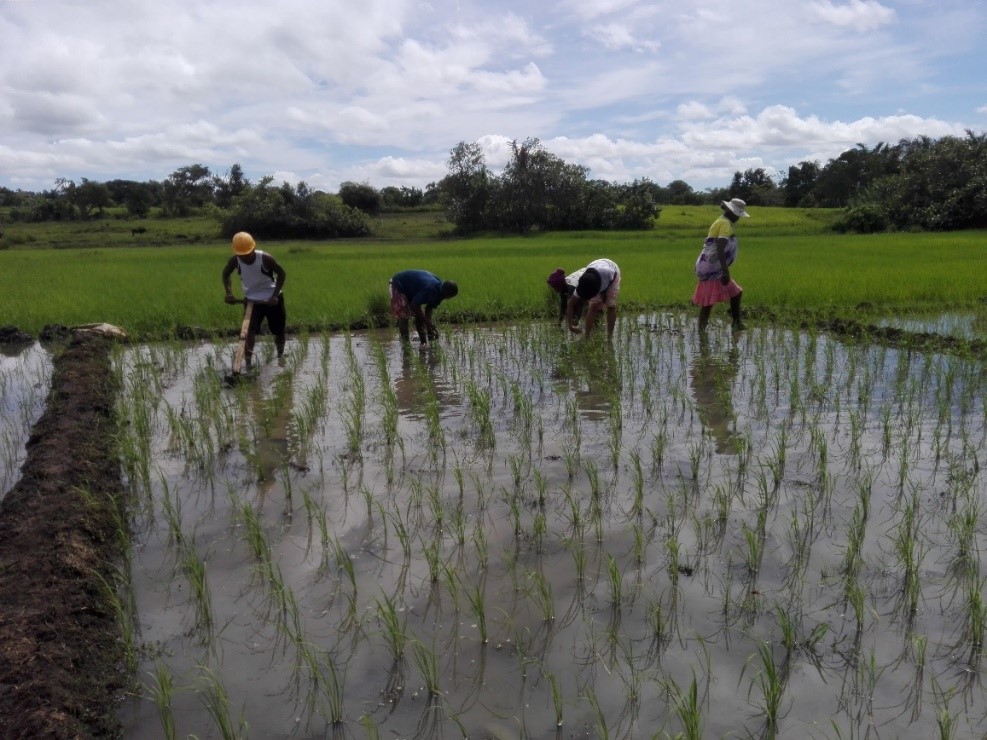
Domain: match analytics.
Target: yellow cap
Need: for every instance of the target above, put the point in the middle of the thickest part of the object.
(243, 243)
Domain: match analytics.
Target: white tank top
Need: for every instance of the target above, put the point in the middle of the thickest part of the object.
(258, 283)
(607, 270)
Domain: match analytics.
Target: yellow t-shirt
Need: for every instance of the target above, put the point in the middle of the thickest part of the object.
(721, 228)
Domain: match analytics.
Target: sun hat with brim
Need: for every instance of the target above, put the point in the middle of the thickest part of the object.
(589, 284)
(737, 207)
(557, 279)
(243, 244)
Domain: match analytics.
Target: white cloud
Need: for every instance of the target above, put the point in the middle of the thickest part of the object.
(384, 89)
(859, 15)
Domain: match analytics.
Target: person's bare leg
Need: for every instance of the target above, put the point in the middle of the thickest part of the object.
(735, 312)
(704, 312)
(248, 349)
(404, 328)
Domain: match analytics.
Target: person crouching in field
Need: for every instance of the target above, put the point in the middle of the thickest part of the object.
(416, 293)
(262, 280)
(598, 286)
(713, 265)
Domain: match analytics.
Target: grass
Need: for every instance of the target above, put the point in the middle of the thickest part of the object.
(788, 261)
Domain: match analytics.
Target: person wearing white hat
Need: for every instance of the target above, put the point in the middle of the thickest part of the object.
(713, 265)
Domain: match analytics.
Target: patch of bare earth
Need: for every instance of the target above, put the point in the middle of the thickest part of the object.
(61, 658)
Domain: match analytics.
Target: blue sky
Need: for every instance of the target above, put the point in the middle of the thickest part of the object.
(380, 91)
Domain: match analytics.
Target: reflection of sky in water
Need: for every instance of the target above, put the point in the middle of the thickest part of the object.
(25, 374)
(962, 326)
(697, 430)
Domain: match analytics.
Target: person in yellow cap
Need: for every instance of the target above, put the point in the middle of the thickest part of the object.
(262, 280)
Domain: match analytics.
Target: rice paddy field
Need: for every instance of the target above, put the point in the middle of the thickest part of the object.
(517, 533)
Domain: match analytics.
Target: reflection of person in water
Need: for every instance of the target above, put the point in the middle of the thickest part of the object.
(270, 406)
(712, 378)
(591, 373)
(418, 382)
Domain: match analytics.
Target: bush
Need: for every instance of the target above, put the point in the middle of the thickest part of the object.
(292, 213)
(862, 219)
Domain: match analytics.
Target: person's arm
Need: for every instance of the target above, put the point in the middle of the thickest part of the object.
(721, 255)
(227, 273)
(279, 277)
(570, 313)
(433, 333)
(421, 322)
(563, 301)
(611, 320)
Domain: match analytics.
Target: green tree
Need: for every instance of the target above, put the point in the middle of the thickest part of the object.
(225, 189)
(284, 212)
(361, 195)
(466, 189)
(187, 189)
(799, 184)
(91, 196)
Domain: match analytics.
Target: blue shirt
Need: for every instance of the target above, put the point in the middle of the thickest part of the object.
(420, 287)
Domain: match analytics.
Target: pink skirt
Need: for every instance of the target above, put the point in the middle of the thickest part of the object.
(711, 292)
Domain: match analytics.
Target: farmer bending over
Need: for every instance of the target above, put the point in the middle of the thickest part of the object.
(417, 293)
(262, 280)
(598, 286)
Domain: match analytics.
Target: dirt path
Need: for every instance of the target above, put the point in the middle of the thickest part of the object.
(61, 659)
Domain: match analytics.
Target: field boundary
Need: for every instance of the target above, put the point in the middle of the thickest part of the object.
(61, 657)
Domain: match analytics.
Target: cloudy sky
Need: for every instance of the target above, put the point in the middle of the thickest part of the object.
(380, 91)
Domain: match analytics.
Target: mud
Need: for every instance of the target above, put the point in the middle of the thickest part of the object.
(61, 659)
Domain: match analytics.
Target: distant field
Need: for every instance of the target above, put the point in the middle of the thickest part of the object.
(788, 261)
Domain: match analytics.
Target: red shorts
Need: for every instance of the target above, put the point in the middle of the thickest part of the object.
(400, 308)
(711, 292)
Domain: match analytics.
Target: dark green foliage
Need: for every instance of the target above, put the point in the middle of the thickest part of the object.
(292, 213)
(539, 192)
(187, 190)
(362, 196)
(863, 219)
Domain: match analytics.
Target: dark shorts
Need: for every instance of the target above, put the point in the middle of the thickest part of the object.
(275, 315)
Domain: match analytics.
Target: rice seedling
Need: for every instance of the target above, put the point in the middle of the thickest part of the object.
(162, 690)
(687, 708)
(427, 662)
(394, 626)
(558, 703)
(194, 569)
(770, 683)
(216, 700)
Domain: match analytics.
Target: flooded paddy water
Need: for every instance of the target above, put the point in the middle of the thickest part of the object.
(520, 533)
(25, 374)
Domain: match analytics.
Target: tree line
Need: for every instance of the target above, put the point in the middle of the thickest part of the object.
(934, 184)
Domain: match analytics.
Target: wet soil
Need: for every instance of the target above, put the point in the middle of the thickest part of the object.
(61, 659)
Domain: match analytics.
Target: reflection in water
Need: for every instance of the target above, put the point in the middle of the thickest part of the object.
(269, 407)
(420, 389)
(592, 375)
(711, 378)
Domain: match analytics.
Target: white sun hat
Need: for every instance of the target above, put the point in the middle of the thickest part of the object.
(737, 207)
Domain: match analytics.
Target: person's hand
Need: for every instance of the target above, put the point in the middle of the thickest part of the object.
(272, 301)
(725, 280)
(230, 299)
(574, 328)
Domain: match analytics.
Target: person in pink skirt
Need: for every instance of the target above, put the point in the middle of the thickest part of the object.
(713, 266)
